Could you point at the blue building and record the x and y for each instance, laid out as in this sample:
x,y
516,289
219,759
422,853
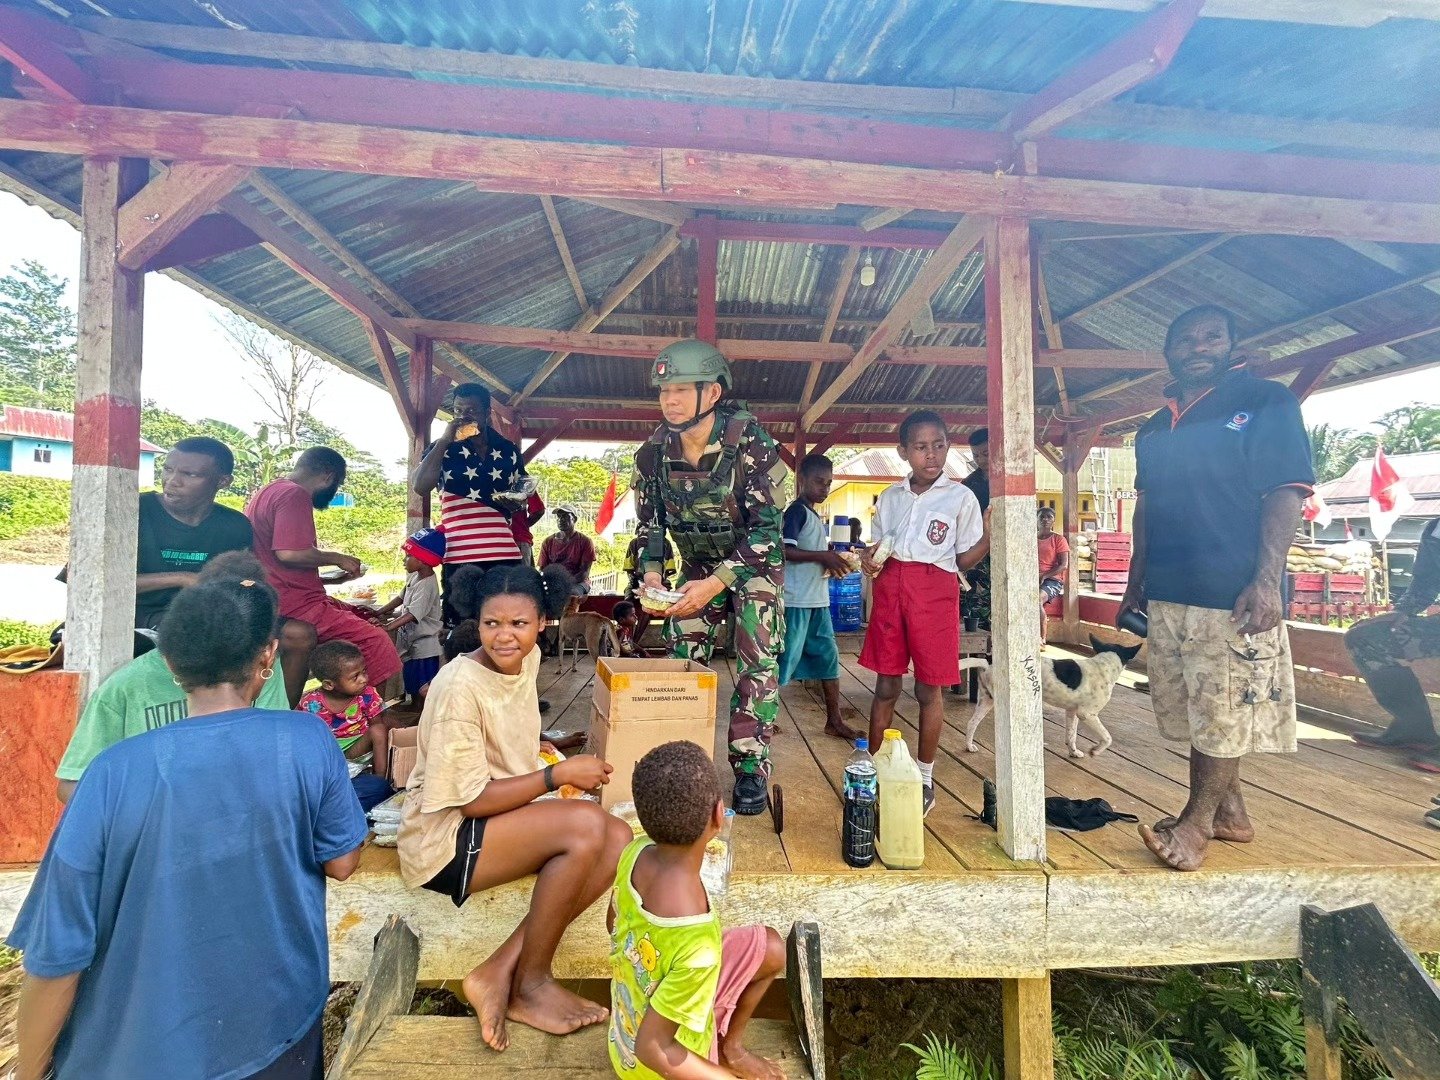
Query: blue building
x,y
39,442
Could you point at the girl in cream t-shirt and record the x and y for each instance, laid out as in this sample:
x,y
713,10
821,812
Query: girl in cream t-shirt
x,y
474,817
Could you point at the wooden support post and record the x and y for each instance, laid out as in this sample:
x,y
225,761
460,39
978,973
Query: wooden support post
x,y
707,281
105,489
423,400
1076,450
1028,1028
1015,601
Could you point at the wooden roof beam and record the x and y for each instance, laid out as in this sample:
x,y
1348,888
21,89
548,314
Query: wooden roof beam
x,y
36,46
832,316
209,237
592,317
169,204
294,254
787,232
459,367
1335,309
665,213
689,175
1135,57
645,347
963,239
395,381
1148,278
563,247
575,115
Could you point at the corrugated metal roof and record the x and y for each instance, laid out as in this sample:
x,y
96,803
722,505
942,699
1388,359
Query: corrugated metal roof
x,y
49,426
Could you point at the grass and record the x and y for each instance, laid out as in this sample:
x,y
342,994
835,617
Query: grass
x,y
13,632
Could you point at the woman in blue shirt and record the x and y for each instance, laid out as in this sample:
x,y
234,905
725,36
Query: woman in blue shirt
x,y
176,927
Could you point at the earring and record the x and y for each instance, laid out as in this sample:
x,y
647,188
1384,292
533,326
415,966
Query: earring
x,y
265,674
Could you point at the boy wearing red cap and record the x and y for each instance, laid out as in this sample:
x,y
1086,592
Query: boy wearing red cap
x,y
419,619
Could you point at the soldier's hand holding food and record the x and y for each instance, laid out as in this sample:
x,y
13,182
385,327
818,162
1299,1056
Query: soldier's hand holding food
x,y
697,594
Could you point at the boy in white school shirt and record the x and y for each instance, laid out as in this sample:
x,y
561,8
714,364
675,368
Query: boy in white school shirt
x,y
936,531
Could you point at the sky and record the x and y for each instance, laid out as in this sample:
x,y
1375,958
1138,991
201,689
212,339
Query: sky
x,y
181,330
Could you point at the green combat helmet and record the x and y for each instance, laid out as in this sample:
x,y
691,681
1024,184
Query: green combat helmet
x,y
690,361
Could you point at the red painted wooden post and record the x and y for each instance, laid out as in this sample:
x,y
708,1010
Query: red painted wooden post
x,y
1015,602
707,280
104,492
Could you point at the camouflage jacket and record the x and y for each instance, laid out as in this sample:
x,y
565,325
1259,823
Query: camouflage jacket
x,y
759,474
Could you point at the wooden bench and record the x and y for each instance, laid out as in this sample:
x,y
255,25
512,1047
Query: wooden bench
x,y
382,1042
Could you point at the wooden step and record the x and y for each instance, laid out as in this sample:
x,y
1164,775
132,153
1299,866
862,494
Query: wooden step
x,y
449,1048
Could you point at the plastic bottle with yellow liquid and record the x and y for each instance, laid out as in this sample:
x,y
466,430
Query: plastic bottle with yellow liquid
x,y
900,842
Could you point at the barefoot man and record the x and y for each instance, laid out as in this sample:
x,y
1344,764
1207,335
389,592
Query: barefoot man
x,y
1221,473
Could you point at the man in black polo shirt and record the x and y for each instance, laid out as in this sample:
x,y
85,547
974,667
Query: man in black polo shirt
x,y
1221,474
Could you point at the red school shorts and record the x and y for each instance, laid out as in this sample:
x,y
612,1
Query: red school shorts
x,y
915,619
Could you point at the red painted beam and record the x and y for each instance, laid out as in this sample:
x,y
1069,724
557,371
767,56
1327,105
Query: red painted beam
x,y
380,101
1125,63
785,232
35,45
707,280
385,101
208,238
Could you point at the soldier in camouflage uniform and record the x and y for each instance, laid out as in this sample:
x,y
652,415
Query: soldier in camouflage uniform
x,y
709,477
1384,647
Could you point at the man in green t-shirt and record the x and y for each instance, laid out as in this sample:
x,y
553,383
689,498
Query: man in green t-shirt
x,y
143,694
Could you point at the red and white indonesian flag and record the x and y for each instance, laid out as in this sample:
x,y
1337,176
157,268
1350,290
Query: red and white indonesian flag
x,y
1316,511
1389,497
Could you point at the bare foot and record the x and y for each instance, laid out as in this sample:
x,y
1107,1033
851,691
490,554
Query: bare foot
x,y
487,989
549,1007
1181,848
836,727
1232,823
743,1063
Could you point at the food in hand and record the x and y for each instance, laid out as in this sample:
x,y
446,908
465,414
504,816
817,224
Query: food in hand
x,y
367,593
659,601
467,430
564,791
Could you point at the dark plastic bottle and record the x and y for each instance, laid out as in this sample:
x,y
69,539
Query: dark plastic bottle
x,y
861,808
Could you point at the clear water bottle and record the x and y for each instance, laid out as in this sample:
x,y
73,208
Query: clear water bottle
x,y
861,803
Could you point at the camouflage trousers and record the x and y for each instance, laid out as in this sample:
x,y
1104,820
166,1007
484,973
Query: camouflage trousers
x,y
1382,652
759,634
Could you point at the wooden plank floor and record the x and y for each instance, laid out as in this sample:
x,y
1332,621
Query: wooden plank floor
x,y
1331,804
1337,825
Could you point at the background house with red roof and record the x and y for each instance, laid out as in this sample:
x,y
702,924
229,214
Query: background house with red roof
x,y
38,442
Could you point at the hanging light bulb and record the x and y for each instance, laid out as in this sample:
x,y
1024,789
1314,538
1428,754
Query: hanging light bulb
x,y
867,272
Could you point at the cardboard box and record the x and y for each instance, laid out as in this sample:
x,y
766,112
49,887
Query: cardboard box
x,y
646,689
625,743
642,703
404,749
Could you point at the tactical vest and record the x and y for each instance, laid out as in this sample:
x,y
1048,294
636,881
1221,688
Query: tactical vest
x,y
700,509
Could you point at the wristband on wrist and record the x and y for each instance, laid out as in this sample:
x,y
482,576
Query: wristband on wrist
x,y
549,773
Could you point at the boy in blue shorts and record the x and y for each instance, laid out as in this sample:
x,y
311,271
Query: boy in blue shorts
x,y
810,651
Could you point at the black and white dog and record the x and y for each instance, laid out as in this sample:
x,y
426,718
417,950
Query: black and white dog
x,y
1082,687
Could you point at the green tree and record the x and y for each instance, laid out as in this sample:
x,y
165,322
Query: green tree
x,y
1332,451
37,339
1412,429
